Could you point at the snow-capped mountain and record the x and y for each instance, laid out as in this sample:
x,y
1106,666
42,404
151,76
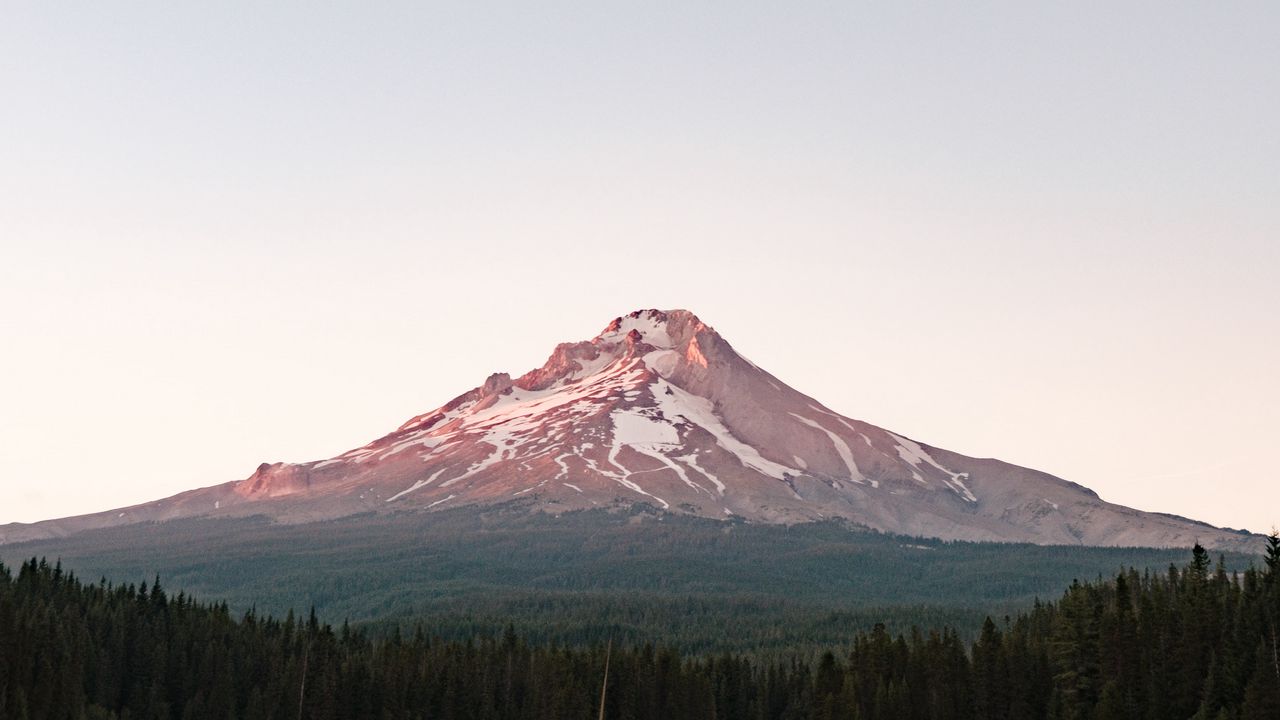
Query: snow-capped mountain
x,y
660,409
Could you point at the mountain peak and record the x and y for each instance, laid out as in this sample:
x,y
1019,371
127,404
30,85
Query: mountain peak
x,y
659,329
659,409
656,338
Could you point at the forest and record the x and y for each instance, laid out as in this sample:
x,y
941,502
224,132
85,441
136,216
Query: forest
x,y
1193,641
698,585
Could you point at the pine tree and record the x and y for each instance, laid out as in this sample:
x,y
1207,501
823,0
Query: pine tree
x,y
1111,705
1262,694
990,674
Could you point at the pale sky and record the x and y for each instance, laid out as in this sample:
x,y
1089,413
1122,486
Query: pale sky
x,y
233,233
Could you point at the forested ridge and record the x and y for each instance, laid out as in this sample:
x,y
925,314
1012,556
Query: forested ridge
x,y
583,577
1192,642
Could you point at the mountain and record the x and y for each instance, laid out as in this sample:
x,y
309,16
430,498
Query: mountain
x,y
660,409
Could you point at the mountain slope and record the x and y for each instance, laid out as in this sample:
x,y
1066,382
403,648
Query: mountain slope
x,y
660,409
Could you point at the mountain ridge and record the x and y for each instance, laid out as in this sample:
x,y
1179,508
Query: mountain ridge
x,y
659,408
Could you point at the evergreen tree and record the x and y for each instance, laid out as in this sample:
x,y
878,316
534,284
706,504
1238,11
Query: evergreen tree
x,y
1105,649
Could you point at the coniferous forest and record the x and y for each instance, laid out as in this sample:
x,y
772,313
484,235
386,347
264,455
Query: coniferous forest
x,y
1193,642
700,586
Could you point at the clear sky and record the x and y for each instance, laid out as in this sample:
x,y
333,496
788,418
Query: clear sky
x,y
242,232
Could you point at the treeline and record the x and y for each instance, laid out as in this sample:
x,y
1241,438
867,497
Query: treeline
x,y
696,625
1192,642
583,577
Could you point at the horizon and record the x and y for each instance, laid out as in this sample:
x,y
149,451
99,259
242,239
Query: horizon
x,y
1046,237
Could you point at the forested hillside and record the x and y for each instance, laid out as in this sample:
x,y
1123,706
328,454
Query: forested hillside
x,y
583,577
1195,642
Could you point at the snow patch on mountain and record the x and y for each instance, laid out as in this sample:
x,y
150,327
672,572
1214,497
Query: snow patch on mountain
x,y
650,325
842,448
663,362
692,461
910,451
419,484
675,402
632,427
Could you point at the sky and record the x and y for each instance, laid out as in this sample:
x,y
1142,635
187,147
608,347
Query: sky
x,y
233,233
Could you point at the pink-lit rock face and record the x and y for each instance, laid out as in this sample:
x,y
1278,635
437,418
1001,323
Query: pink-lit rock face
x,y
660,409
274,480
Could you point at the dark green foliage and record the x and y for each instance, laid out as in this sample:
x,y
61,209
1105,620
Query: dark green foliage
x,y
1114,649
701,585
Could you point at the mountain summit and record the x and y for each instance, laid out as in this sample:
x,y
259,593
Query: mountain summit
x,y
660,409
